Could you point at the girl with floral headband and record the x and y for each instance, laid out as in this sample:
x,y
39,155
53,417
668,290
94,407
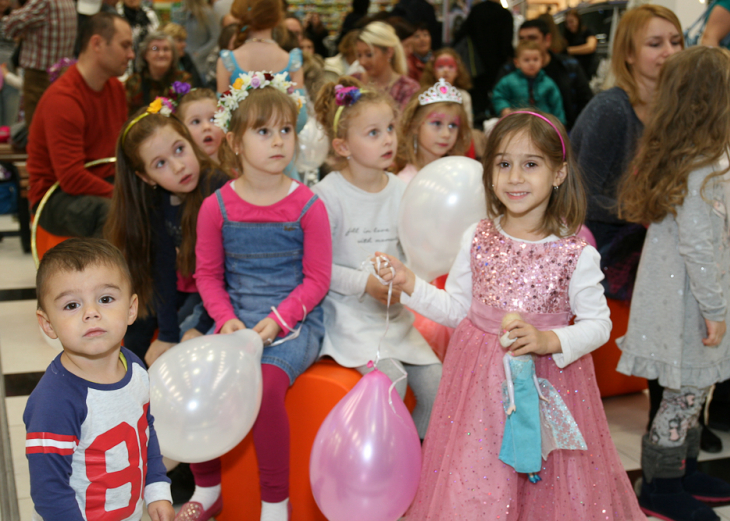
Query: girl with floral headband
x,y
362,201
264,257
433,125
524,258
162,178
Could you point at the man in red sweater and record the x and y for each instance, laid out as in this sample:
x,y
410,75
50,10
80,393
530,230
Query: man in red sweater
x,y
77,121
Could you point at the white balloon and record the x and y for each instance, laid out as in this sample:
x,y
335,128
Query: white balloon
x,y
440,203
313,146
205,395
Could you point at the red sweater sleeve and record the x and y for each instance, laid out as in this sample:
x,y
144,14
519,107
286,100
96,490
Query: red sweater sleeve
x,y
210,264
65,139
316,267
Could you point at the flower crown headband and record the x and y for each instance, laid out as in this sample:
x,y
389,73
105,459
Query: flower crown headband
x,y
345,97
246,82
161,105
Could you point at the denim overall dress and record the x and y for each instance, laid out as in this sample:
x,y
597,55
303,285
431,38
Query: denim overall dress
x,y
263,266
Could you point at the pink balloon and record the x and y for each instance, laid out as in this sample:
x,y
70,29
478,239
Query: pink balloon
x,y
585,234
366,458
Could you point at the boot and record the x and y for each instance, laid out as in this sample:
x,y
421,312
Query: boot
x,y
700,485
661,493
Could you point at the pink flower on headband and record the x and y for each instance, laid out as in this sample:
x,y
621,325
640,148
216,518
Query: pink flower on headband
x,y
346,96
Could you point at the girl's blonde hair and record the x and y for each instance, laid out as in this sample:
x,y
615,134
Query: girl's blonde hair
x,y
256,15
129,224
326,109
413,116
259,107
566,209
463,78
382,35
689,129
625,44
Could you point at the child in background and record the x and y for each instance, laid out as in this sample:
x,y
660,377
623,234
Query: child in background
x,y
526,259
528,86
264,262
679,306
93,397
162,178
196,110
447,64
362,201
433,125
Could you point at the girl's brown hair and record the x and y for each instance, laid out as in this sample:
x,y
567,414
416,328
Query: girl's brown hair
x,y
129,225
566,210
625,44
689,129
326,109
259,107
411,120
463,78
256,15
194,95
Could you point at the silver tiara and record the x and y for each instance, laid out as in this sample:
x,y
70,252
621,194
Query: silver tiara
x,y
440,92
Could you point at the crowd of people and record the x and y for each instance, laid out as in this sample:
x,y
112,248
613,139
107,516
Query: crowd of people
x,y
168,153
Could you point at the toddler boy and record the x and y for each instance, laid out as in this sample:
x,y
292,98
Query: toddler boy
x,y
91,446
528,86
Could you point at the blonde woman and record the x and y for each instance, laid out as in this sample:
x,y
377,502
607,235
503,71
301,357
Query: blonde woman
x,y
380,53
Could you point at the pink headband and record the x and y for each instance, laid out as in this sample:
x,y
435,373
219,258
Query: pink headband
x,y
562,143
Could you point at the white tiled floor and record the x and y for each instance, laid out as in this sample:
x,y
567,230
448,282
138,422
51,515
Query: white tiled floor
x,y
25,350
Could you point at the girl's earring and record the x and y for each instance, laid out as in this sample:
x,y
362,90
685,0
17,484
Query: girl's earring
x,y
415,144
555,187
348,157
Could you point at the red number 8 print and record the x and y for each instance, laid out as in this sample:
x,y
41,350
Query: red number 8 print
x,y
101,480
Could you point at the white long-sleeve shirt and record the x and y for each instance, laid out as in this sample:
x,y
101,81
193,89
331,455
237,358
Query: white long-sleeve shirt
x,y
585,292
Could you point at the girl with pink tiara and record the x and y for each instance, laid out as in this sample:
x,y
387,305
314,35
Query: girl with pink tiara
x,y
433,125
526,259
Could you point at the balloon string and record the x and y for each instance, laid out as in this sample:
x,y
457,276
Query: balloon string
x,y
373,265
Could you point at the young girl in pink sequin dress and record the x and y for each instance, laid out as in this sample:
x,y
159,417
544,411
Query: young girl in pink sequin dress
x,y
526,260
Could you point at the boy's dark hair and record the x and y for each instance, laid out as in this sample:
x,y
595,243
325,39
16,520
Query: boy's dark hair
x,y
539,24
101,24
77,254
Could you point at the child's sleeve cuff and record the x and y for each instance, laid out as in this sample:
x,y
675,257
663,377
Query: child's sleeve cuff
x,y
159,491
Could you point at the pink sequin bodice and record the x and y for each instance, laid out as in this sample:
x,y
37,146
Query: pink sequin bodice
x,y
517,276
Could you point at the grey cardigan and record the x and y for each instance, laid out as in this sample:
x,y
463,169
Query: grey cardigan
x,y
682,280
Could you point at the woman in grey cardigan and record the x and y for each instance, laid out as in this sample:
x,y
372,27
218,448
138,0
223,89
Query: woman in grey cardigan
x,y
606,133
677,325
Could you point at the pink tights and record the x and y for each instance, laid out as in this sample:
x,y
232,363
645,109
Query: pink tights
x,y
270,438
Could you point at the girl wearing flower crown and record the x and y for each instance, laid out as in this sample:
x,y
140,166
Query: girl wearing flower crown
x,y
162,178
526,259
433,125
264,260
362,201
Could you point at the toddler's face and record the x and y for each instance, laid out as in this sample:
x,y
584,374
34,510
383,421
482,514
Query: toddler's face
x,y
88,310
199,120
529,62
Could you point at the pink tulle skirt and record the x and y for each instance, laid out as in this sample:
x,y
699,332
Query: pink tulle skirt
x,y
462,477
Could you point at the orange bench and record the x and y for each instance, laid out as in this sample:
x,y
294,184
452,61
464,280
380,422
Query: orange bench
x,y
308,402
605,359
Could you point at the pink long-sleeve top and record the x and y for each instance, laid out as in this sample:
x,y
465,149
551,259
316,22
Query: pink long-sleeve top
x,y
316,262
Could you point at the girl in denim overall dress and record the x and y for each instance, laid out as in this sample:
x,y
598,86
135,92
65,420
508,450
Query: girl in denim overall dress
x,y
264,257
